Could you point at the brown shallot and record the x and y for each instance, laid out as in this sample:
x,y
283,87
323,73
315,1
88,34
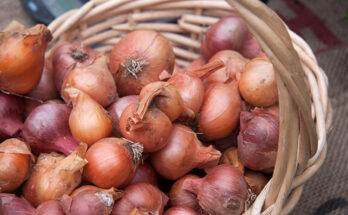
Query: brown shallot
x,y
22,58
95,80
88,120
139,58
15,157
219,115
116,109
180,197
183,153
112,162
141,198
55,175
146,124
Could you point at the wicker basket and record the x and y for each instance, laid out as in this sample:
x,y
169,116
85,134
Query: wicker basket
x,y
305,111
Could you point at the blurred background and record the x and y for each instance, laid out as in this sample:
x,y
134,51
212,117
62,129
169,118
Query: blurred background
x,y
324,25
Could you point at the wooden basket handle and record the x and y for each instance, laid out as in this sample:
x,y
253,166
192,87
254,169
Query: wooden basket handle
x,y
294,98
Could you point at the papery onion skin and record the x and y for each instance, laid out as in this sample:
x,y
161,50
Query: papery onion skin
x,y
141,198
11,122
88,120
180,210
116,109
46,129
154,131
258,85
116,194
95,80
180,197
191,90
234,67
223,191
145,173
256,181
228,33
10,204
219,115
22,58
111,161
230,156
88,202
51,207
57,179
183,153
44,161
66,56
140,58
258,138
169,101
15,164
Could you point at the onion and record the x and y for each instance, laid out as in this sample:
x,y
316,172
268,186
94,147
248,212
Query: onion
x,y
183,153
192,93
222,191
116,194
258,85
95,80
10,204
117,108
111,161
139,58
146,124
51,207
177,69
230,156
146,174
256,181
10,116
88,120
67,56
195,64
228,33
141,198
231,141
180,197
54,176
44,162
250,47
219,115
15,163
179,210
168,101
258,138
234,67
191,88
44,91
46,129
89,202
22,58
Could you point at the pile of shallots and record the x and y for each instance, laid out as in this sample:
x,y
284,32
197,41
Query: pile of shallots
x,y
131,132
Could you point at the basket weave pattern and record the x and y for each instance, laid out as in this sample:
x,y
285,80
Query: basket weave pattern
x,y
305,111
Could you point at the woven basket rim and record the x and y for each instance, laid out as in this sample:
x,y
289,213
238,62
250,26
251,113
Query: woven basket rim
x,y
103,22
